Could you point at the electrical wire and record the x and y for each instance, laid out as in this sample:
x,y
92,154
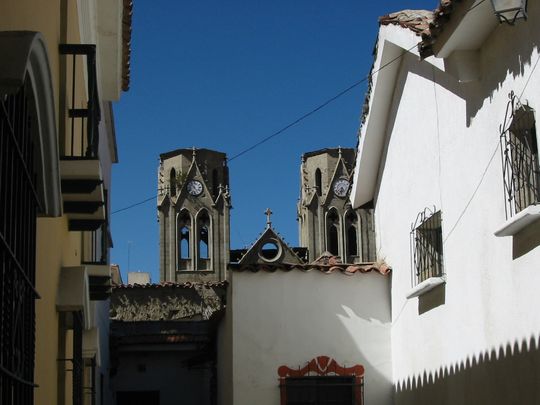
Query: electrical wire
x,y
320,106
134,205
306,115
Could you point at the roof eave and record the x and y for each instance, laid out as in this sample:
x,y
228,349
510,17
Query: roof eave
x,y
393,42
458,25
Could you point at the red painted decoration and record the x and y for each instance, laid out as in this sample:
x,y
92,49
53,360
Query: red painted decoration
x,y
322,366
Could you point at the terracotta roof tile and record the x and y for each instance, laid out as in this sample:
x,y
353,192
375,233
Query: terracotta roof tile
x,y
441,16
126,43
325,264
417,21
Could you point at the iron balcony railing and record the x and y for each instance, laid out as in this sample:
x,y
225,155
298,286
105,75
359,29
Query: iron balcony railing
x,y
519,150
82,136
96,243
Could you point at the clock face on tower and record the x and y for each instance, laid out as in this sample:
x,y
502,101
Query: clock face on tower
x,y
341,186
194,187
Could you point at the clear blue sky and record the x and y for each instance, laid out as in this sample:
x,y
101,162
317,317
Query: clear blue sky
x,y
223,75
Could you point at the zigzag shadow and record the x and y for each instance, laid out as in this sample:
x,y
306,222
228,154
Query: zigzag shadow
x,y
507,375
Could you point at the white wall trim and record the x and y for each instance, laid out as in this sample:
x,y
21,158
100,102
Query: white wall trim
x,y
425,286
519,221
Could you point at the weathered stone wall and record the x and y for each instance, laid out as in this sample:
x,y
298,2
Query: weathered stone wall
x,y
165,303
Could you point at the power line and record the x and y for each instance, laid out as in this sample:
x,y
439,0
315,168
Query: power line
x,y
308,114
134,205
319,107
293,123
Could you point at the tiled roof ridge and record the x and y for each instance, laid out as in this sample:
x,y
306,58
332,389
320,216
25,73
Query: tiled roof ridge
x,y
170,284
328,268
418,21
127,17
441,15
427,24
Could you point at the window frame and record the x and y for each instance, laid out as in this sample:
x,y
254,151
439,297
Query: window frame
x,y
323,366
427,250
520,158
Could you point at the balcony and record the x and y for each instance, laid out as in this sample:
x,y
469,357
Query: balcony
x,y
80,168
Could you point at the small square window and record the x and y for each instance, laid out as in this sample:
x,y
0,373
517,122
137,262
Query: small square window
x,y
427,246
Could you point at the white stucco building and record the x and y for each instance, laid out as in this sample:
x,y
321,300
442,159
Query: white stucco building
x,y
287,320
450,162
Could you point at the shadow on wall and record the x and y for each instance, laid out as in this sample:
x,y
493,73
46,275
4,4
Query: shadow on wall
x,y
508,50
432,299
525,241
509,375
311,314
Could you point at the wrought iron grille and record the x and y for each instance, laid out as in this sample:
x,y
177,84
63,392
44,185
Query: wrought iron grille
x,y
96,243
78,365
427,246
19,205
83,138
321,381
90,388
519,150
321,390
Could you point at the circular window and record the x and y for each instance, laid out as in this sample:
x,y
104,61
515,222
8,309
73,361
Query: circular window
x,y
270,251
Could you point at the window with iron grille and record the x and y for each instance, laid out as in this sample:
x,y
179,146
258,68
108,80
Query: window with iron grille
x,y
322,381
318,390
427,246
19,205
519,148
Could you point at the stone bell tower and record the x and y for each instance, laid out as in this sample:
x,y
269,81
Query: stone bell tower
x,y
194,215
326,219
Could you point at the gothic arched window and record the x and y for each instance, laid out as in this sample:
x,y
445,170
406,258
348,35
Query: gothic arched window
x,y
351,224
172,182
332,232
215,183
203,239
184,228
318,181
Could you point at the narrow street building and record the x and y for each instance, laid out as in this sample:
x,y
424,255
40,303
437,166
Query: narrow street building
x,y
448,156
62,65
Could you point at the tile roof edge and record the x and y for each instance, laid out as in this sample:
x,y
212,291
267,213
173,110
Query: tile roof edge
x,y
345,268
417,21
127,20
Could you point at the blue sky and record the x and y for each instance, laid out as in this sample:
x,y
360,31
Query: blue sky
x,y
223,75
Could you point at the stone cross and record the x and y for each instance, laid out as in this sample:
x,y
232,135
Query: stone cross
x,y
268,214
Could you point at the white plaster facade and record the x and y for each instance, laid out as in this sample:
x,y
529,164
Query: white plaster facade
x,y
428,140
289,318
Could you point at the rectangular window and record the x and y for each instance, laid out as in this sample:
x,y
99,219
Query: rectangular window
x,y
321,381
521,167
320,390
427,246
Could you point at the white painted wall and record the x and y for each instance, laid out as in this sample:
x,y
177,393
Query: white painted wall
x,y
289,318
442,149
